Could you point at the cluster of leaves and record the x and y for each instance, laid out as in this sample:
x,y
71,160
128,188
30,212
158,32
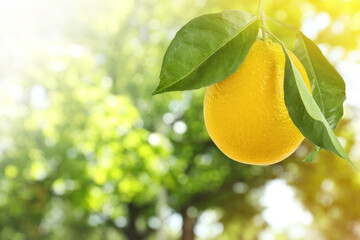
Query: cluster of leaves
x,y
211,47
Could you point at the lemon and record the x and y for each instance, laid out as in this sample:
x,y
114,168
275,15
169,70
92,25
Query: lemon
x,y
245,114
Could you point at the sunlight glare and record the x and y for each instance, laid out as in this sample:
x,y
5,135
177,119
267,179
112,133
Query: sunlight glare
x,y
282,210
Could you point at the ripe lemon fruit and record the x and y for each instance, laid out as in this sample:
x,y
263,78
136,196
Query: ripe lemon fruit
x,y
245,114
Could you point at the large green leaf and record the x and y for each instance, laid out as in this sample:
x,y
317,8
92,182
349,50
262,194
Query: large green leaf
x,y
207,50
328,87
306,114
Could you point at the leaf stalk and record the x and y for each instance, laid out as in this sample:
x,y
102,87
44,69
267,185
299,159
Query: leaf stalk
x,y
289,26
262,15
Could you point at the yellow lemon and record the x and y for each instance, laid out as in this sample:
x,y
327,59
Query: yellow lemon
x,y
245,115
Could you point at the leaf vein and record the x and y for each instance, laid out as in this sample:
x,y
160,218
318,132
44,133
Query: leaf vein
x,y
216,50
316,77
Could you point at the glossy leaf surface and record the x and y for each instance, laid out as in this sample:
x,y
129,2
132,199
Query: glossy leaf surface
x,y
328,87
207,50
305,112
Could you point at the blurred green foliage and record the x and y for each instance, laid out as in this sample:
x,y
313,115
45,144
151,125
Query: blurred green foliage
x,y
88,153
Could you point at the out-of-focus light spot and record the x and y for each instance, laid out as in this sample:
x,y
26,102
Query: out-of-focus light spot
x,y
112,101
55,50
108,188
135,44
69,184
38,97
323,20
353,55
72,153
138,123
106,83
192,212
180,127
281,15
355,22
173,224
267,234
154,222
240,187
325,199
108,209
277,170
58,187
334,212
206,159
312,25
144,178
121,130
154,24
337,27
52,218
22,110
58,66
76,50
292,168
96,198
283,211
258,220
327,185
200,3
5,143
38,171
11,171
296,232
100,177
350,70
176,106
95,219
120,222
356,229
42,123
336,54
78,213
301,151
50,141
154,139
208,226
16,92
168,118
100,59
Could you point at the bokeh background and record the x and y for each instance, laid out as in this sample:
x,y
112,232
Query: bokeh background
x,y
87,153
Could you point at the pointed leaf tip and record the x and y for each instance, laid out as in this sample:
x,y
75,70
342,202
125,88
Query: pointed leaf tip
x,y
312,155
306,114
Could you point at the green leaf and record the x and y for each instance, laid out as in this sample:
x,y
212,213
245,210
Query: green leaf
x,y
312,155
207,50
328,87
306,114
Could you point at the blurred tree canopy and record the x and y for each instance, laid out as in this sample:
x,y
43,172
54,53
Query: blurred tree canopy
x,y
87,153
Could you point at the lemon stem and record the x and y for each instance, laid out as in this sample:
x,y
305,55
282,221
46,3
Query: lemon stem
x,y
289,26
261,12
